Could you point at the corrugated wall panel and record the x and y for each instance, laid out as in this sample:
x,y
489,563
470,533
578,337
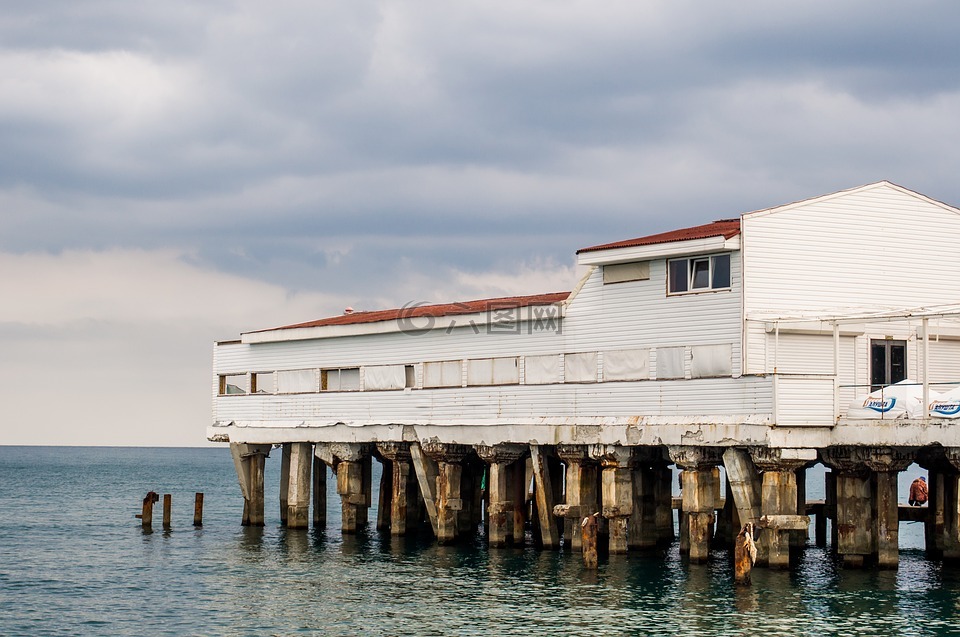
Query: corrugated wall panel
x,y
879,247
721,396
639,314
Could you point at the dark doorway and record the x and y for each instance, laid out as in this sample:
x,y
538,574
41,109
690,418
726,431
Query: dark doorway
x,y
888,363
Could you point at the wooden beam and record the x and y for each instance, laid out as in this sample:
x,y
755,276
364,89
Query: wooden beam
x,y
427,477
785,522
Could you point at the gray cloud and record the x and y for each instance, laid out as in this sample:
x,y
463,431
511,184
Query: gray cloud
x,y
370,153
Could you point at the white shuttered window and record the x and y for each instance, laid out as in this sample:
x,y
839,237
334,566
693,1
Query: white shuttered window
x,y
580,368
541,370
442,374
296,381
626,364
381,377
670,362
493,371
711,361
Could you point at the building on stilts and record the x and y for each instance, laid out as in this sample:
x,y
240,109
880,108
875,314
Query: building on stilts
x,y
822,331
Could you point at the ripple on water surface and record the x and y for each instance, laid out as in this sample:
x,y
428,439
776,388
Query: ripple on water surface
x,y
74,562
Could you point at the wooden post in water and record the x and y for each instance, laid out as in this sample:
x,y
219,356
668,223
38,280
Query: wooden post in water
x,y
588,540
198,509
146,513
167,505
744,554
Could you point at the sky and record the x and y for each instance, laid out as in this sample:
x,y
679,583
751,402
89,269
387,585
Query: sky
x,y
177,173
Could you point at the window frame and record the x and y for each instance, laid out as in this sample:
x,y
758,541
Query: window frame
x,y
689,265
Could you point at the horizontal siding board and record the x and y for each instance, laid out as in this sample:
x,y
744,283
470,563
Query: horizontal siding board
x,y
703,397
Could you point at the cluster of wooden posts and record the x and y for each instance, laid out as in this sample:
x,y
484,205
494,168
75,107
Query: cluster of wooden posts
x,y
146,513
614,499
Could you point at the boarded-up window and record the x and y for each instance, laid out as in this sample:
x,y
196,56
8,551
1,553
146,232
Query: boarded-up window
x,y
710,361
626,364
380,377
263,383
493,371
580,368
670,362
622,272
347,379
233,384
297,381
442,374
541,370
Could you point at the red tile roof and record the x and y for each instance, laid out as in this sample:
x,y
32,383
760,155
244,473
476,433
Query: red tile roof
x,y
726,228
413,310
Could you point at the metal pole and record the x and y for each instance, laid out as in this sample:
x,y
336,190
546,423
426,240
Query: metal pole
x,y
926,366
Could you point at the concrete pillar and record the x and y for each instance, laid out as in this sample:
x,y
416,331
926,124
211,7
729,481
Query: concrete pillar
x,y
352,486
520,484
642,526
249,460
285,450
616,493
698,495
663,497
449,460
798,539
385,495
779,497
886,463
830,505
319,493
300,464
500,490
582,491
404,498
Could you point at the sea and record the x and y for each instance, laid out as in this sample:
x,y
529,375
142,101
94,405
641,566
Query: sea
x,y
75,561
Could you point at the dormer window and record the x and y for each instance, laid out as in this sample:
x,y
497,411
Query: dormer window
x,y
698,274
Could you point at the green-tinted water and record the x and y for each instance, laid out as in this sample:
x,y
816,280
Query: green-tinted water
x,y
73,561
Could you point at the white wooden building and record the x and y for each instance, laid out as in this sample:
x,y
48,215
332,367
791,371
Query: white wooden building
x,y
758,330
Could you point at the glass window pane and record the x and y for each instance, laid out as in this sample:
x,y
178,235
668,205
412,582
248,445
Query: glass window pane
x,y
678,276
350,379
721,271
263,383
701,274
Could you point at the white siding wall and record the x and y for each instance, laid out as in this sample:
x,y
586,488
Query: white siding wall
x,y
639,314
704,400
878,247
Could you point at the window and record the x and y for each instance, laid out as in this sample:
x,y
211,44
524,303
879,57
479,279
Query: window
x,y
262,383
623,272
340,379
888,362
443,374
698,274
493,371
233,384
580,367
296,381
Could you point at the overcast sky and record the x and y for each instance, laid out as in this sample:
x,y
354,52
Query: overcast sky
x,y
174,173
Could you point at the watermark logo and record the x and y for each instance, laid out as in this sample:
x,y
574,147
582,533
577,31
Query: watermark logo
x,y
492,317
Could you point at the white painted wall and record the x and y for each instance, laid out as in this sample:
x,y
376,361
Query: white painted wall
x,y
874,247
639,314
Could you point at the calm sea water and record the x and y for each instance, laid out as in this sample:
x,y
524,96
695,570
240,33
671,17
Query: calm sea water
x,y
74,561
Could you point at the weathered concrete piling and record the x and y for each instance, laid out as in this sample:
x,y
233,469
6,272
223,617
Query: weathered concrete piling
x,y
625,493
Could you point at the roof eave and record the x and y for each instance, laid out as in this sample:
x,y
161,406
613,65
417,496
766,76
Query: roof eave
x,y
647,252
489,321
